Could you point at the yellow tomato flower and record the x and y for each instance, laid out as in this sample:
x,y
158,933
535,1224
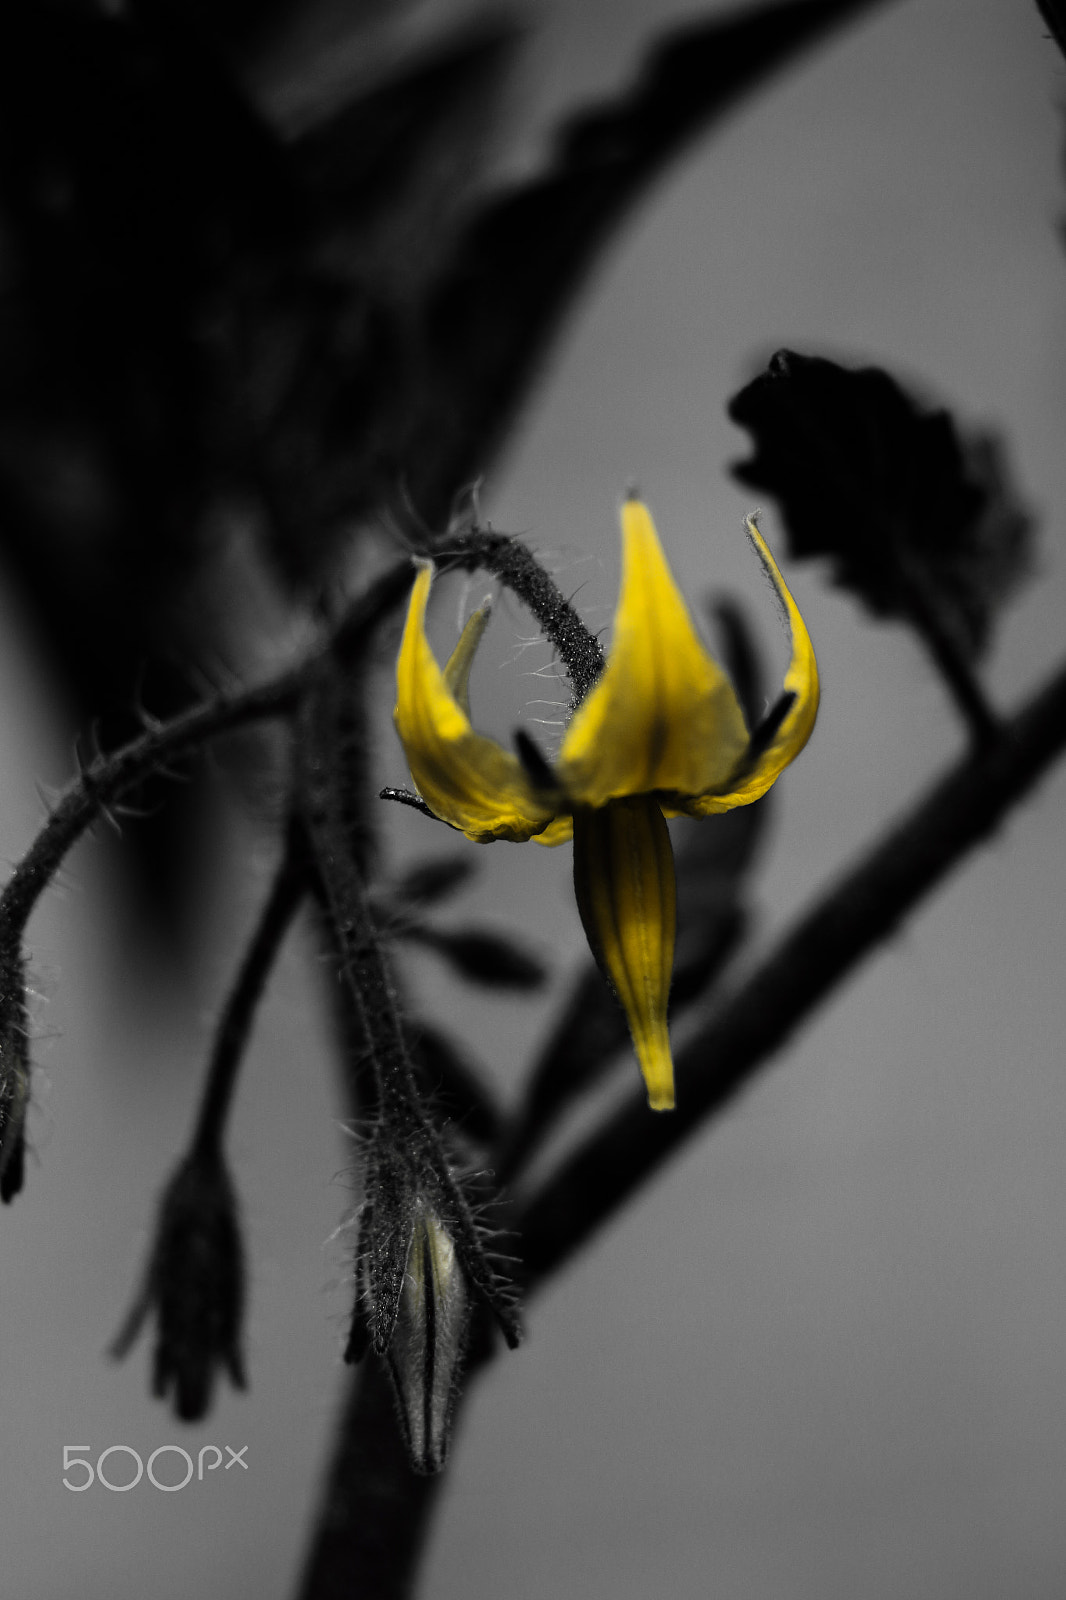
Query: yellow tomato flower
x,y
661,733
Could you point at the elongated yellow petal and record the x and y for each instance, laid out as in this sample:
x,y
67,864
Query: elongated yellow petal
x,y
663,715
801,680
626,894
464,777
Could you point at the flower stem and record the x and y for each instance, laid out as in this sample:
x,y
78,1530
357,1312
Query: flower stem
x,y
286,893
519,569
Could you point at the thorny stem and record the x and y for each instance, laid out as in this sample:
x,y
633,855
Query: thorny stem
x,y
286,893
335,853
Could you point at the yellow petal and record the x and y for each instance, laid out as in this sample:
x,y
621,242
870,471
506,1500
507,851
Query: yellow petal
x,y
626,894
461,660
663,715
801,680
465,778
561,831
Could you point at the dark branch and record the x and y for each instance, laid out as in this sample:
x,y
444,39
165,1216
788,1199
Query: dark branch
x,y
848,923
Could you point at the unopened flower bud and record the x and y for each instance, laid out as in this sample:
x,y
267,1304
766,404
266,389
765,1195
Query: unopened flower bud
x,y
195,1284
428,1340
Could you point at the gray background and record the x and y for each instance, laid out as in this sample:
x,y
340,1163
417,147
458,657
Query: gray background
x,y
824,1355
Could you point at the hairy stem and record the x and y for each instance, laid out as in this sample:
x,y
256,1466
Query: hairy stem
x,y
516,566
107,778
282,903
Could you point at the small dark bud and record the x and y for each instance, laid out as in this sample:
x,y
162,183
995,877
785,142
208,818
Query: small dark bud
x,y
195,1286
915,516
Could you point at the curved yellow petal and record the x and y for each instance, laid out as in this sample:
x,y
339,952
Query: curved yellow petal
x,y
801,680
464,777
663,714
626,894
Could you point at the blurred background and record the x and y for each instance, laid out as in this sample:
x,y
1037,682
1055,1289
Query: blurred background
x,y
823,1354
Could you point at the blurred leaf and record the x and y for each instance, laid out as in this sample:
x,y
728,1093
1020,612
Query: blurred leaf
x,y
492,959
134,181
429,882
915,517
391,169
215,346
1054,15
499,299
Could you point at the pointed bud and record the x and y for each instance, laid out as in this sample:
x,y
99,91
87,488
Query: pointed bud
x,y
420,1261
429,1339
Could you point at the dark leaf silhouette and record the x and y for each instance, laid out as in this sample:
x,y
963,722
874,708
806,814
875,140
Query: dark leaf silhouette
x,y
429,882
495,960
918,519
1054,14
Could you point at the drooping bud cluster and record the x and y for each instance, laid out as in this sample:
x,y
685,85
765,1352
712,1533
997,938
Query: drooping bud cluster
x,y
195,1285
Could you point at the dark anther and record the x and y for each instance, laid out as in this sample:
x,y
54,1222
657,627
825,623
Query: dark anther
x,y
538,767
764,734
